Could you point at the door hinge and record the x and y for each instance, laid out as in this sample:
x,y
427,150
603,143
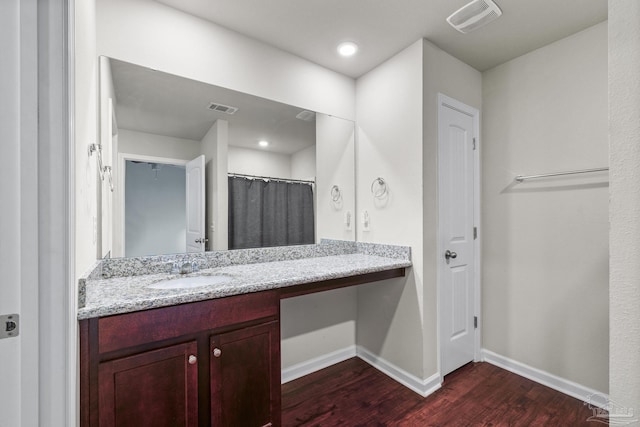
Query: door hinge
x,y
474,143
475,322
475,233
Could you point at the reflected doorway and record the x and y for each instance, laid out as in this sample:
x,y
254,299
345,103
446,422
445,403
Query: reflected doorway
x,y
155,211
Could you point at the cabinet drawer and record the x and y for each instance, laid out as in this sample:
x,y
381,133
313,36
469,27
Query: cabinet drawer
x,y
141,327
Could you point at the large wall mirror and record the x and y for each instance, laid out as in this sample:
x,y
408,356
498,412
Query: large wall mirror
x,y
188,166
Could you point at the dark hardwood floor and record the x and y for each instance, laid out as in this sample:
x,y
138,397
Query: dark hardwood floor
x,y
353,393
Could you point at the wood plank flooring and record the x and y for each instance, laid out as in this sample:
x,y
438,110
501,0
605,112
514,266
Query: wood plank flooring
x,y
353,393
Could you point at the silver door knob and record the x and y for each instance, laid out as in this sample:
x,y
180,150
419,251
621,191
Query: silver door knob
x,y
217,352
202,240
192,360
448,254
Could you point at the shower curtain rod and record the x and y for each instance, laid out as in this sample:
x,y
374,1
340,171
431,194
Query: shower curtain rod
x,y
521,178
269,178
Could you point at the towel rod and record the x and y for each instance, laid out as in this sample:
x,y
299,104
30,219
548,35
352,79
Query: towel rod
x,y
521,178
109,170
97,148
270,178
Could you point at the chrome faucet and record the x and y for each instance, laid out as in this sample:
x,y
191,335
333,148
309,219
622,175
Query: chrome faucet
x,y
189,267
186,268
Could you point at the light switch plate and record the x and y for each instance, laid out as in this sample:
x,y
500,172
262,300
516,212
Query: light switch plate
x,y
366,221
9,325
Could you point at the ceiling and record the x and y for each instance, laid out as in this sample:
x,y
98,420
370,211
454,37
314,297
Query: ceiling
x,y
312,29
164,104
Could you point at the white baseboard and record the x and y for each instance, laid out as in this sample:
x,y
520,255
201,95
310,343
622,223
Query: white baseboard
x,y
309,366
420,386
562,385
433,383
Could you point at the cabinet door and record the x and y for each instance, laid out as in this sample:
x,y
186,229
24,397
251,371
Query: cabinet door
x,y
245,377
155,388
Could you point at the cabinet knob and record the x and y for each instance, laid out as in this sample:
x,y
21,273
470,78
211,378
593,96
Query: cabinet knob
x,y
217,352
192,360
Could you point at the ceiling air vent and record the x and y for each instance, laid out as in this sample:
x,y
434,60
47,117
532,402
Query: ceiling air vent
x,y
227,109
474,15
307,116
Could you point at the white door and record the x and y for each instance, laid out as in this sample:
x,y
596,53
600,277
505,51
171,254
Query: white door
x,y
195,205
14,349
456,133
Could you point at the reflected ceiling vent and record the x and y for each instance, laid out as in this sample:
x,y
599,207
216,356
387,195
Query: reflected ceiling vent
x,y
221,108
307,116
474,15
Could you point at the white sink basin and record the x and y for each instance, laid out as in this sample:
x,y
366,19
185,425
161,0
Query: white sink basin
x,y
190,282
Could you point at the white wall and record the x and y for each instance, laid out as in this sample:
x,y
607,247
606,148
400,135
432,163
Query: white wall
x,y
86,133
155,210
317,325
215,147
257,162
247,161
303,163
187,46
545,249
389,107
149,144
335,162
624,209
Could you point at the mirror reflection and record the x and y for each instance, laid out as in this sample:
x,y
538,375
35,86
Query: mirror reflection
x,y
199,167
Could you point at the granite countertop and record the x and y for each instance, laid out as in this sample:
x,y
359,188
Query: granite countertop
x,y
116,295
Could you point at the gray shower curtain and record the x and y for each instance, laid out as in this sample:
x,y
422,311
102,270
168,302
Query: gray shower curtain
x,y
269,213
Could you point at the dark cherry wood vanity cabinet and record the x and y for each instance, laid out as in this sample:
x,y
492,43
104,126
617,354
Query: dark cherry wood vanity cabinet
x,y
209,363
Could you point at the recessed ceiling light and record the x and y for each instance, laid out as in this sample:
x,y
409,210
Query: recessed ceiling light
x,y
347,49
263,143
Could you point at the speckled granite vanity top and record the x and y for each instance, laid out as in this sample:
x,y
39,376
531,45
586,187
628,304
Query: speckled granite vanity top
x,y
122,285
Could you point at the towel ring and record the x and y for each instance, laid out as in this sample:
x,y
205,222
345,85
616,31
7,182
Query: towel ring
x,y
379,188
336,194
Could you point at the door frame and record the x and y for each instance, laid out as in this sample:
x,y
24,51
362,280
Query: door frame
x,y
42,253
475,113
119,208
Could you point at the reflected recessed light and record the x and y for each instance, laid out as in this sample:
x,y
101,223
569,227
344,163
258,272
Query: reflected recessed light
x,y
263,143
347,49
